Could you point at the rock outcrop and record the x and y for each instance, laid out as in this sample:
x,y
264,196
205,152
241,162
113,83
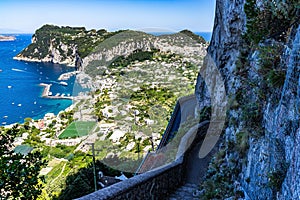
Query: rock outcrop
x,y
259,154
63,45
7,38
190,46
78,46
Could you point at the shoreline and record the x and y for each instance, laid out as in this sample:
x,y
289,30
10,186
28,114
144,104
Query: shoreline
x,y
44,60
67,75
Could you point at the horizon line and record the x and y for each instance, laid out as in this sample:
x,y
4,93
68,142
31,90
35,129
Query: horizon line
x,y
21,32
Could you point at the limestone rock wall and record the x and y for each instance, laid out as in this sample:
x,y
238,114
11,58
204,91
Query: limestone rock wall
x,y
268,168
125,43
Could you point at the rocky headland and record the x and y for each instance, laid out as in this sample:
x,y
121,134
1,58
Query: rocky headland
x,y
131,81
7,38
70,45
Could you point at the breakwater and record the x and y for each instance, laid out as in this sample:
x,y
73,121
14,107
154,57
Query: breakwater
x,y
48,94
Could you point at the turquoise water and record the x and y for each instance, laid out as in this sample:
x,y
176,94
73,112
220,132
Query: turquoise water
x,y
20,93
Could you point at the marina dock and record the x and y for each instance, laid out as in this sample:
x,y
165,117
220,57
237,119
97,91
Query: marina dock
x,y
68,75
47,94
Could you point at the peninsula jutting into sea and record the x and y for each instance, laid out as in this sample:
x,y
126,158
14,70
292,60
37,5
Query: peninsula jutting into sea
x,y
126,86
7,38
126,115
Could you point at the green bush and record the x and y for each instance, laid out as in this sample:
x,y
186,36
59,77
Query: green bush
x,y
276,78
242,143
137,55
270,65
271,21
276,179
61,151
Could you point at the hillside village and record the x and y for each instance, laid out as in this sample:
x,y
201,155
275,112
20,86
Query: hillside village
x,y
123,108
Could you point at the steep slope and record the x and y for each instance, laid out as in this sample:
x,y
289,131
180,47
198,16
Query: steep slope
x,y
259,62
129,42
65,45
69,45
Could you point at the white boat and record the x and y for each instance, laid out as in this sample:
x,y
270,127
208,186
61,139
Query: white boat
x,y
49,93
63,83
5,117
19,105
9,86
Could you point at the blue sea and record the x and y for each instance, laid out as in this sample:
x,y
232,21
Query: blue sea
x,y
205,35
20,93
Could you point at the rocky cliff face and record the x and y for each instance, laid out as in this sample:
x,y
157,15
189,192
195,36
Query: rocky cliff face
x,y
259,154
63,45
186,44
68,45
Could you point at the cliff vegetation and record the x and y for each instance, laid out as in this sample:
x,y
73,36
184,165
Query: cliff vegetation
x,y
258,58
56,44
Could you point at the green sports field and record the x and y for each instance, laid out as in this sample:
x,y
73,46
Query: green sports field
x,y
77,129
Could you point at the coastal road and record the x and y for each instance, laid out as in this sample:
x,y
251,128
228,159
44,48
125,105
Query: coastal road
x,y
187,107
195,165
184,109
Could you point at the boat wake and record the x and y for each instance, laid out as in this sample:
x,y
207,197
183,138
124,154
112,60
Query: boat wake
x,y
17,70
54,82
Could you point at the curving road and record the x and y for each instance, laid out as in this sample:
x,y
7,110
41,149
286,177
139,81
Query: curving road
x,y
184,109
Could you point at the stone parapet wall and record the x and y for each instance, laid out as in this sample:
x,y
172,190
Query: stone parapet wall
x,y
156,184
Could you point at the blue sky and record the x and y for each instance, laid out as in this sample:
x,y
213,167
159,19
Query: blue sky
x,y
28,15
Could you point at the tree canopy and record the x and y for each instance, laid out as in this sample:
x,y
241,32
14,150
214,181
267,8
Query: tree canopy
x,y
19,173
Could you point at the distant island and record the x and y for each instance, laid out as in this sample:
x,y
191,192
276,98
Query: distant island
x,y
7,38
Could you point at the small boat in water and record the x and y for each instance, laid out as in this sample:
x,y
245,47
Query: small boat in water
x,y
19,105
63,83
9,86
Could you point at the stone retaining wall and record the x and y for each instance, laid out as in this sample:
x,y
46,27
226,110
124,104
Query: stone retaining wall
x,y
157,184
